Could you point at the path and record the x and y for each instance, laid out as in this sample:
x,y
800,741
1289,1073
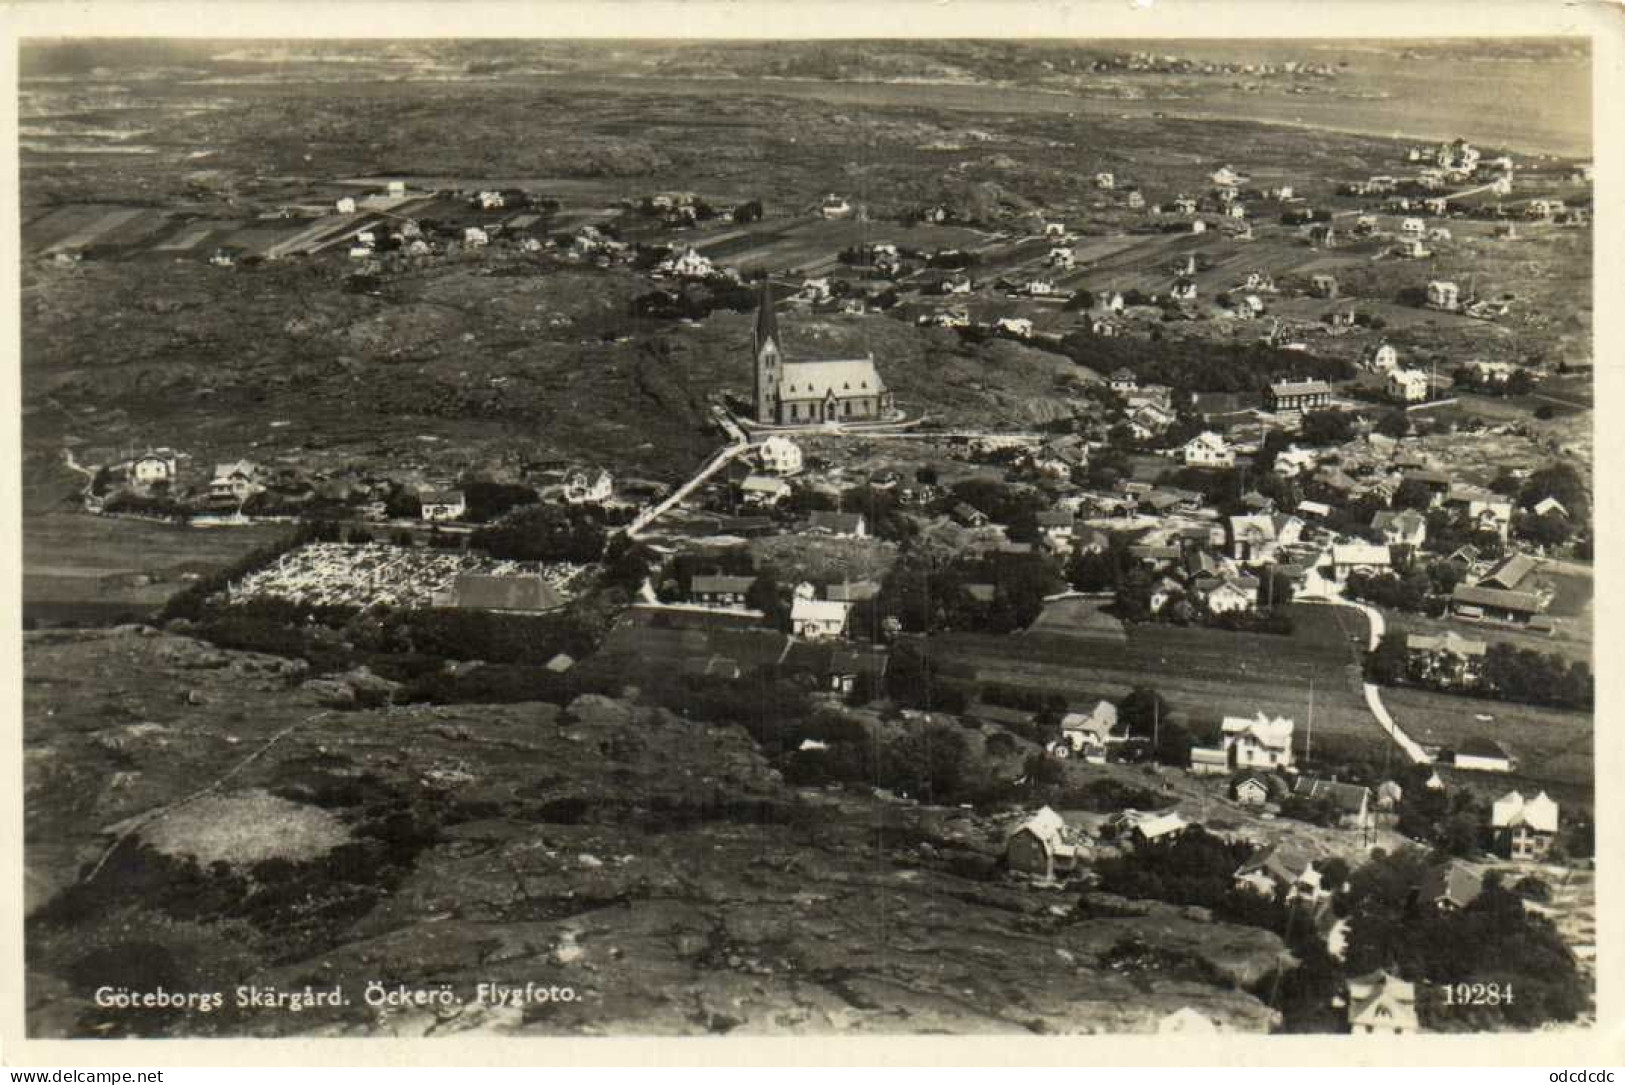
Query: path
x,y
1373,693
720,459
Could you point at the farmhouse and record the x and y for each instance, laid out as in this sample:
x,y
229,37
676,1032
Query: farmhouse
x,y
1259,743
438,505
1041,845
1323,286
811,392
1524,829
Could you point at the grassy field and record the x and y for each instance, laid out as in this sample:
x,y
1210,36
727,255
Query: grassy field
x,y
1552,747
85,568
1204,673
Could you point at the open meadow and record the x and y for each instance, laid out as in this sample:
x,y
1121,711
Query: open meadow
x,y
80,568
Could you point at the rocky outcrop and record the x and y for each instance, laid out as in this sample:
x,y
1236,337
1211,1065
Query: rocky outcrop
x,y
657,869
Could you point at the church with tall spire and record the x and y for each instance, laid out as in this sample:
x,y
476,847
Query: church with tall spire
x,y
799,392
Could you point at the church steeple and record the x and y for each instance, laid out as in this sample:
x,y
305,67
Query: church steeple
x,y
767,323
766,356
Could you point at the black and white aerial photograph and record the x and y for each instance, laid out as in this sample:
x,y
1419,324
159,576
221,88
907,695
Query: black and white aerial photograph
x,y
758,537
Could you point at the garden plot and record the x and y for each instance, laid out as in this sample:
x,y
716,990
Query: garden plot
x,y
373,574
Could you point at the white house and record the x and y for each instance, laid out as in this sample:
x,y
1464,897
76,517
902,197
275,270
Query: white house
x,y
1208,449
779,455
1018,326
1413,227
1524,829
159,465
1105,181
1232,595
491,200
817,619
1442,294
475,237
440,505
395,189
1382,1004
1089,734
1407,385
1062,256
345,205
1258,743
1382,358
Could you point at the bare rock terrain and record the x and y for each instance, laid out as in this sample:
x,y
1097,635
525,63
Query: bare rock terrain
x,y
655,867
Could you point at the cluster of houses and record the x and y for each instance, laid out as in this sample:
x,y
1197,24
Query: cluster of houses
x,y
164,472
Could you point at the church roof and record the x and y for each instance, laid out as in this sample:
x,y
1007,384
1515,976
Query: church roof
x,y
814,379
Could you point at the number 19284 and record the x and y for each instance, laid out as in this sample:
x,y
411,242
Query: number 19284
x,y
1478,994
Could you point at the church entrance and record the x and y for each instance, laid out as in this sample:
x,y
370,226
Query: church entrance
x,y
829,410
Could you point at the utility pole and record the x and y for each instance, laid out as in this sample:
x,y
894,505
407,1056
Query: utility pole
x,y
1309,741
